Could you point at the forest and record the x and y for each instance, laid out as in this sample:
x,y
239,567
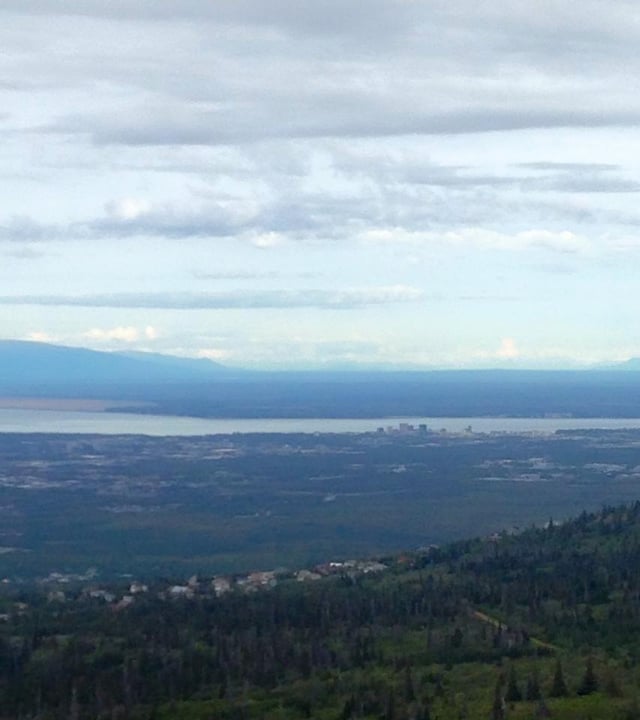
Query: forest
x,y
541,623
175,506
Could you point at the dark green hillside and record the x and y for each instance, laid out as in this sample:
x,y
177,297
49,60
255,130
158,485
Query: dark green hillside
x,y
542,624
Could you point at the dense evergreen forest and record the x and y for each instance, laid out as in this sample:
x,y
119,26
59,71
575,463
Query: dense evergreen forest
x,y
544,623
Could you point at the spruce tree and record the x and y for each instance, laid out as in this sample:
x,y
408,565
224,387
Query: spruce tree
x,y
533,687
589,682
348,708
497,710
611,685
513,693
542,711
409,693
558,686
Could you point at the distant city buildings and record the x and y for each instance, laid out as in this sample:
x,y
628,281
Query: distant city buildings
x,y
403,428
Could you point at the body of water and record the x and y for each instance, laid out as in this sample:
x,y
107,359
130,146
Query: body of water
x,y
58,421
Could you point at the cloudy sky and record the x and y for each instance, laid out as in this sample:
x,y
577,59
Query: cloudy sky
x,y
319,183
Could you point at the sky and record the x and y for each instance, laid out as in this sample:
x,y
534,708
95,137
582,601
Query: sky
x,y
320,184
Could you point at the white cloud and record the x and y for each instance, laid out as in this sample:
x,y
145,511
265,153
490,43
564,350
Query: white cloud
x,y
118,334
347,299
562,241
128,208
267,240
121,334
508,349
41,336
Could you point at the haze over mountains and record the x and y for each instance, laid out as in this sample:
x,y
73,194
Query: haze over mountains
x,y
32,365
185,386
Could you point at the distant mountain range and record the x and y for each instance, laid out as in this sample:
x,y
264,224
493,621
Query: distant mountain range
x,y
165,384
34,365
633,364
28,363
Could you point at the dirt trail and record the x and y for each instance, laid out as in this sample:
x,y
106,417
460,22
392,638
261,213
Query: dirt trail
x,y
494,622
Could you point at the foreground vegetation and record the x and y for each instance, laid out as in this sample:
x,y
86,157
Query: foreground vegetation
x,y
544,623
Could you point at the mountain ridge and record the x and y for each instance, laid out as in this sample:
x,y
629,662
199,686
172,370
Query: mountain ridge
x,y
30,349
203,388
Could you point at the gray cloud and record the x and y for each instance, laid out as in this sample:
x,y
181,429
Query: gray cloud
x,y
251,95
302,69
547,176
167,222
316,217
570,166
22,229
360,192
577,178
328,299
579,183
513,24
329,18
360,117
